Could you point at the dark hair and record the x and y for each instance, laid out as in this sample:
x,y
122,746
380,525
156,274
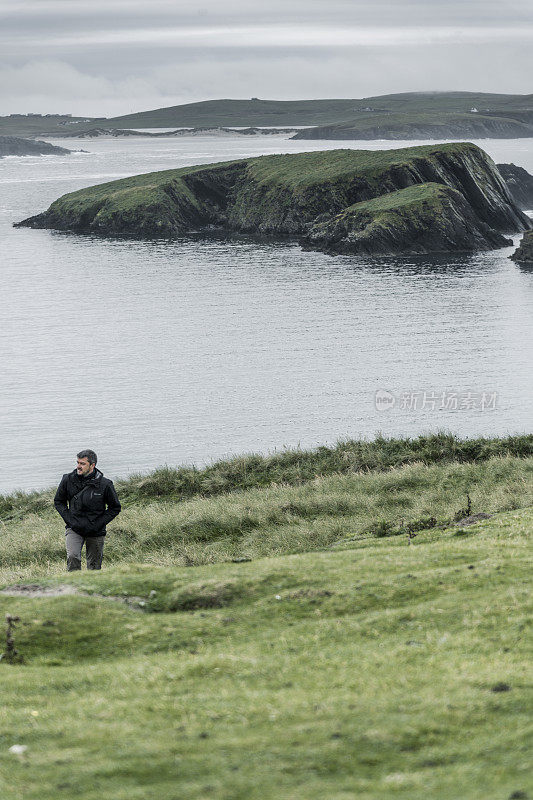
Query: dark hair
x,y
90,455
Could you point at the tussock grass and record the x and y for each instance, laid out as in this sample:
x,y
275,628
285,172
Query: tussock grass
x,y
278,519
289,467
297,466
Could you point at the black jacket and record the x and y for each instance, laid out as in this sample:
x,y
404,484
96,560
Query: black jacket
x,y
87,504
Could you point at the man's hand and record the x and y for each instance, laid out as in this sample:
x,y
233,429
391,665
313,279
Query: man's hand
x,y
61,501
81,527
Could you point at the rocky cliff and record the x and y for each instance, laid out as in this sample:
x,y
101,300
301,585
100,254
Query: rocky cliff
x,y
520,184
15,146
285,194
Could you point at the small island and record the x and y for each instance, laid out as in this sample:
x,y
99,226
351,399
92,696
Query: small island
x,y
17,146
432,198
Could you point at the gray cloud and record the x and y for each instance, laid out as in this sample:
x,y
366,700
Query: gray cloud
x,y
280,36
113,57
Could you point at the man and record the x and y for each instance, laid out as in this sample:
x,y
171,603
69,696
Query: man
x,y
87,502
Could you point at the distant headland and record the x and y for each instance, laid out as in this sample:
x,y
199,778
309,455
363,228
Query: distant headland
x,y
409,115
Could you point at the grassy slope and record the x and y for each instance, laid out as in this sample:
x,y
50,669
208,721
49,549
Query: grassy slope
x,y
278,520
403,199
290,468
372,669
313,112
340,661
301,170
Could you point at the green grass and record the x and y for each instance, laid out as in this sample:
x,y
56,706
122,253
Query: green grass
x,y
374,671
297,170
279,520
403,199
42,126
410,119
339,661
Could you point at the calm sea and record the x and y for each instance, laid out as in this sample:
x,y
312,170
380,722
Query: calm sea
x,y
158,353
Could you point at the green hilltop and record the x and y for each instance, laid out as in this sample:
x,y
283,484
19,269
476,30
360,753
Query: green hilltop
x,y
276,113
308,624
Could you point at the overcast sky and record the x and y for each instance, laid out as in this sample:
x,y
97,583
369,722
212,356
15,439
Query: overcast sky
x,y
108,57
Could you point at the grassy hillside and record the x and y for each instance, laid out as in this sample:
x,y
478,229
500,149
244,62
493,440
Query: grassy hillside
x,y
450,101
275,113
301,170
339,661
313,112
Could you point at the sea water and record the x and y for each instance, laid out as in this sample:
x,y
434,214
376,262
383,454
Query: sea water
x,y
187,351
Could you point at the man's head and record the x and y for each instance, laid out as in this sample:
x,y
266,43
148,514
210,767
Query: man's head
x,y
86,462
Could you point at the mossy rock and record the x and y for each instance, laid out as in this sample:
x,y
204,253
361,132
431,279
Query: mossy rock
x,y
524,252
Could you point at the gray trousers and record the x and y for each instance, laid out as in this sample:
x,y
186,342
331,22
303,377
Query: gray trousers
x,y
94,550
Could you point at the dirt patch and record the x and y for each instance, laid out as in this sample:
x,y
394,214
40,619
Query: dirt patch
x,y
205,595
35,590
309,594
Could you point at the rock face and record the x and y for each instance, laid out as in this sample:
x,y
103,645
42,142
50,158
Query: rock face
x,y
524,253
15,146
519,183
288,194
